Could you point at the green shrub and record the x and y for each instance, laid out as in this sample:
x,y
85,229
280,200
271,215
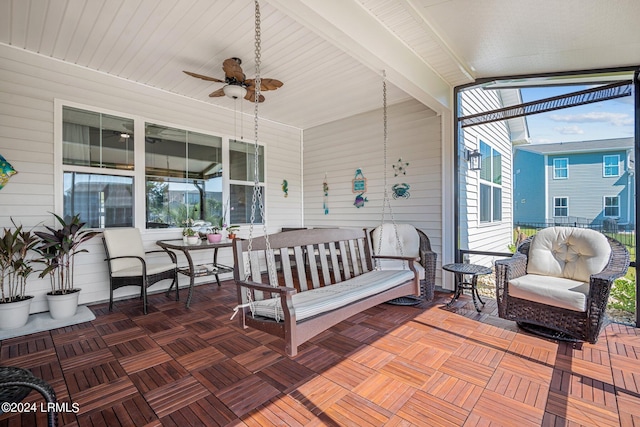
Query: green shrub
x,y
623,294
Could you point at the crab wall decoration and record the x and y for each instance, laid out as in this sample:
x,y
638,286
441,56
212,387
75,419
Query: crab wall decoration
x,y
401,191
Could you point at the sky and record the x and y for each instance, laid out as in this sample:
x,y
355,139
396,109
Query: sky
x,y
601,120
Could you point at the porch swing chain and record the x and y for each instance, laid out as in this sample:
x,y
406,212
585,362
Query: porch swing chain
x,y
386,201
257,194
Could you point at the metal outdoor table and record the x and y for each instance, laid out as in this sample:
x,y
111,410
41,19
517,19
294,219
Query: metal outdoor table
x,y
461,270
193,271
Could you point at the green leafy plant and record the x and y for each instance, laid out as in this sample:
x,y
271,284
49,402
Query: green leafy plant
x,y
15,264
623,294
58,249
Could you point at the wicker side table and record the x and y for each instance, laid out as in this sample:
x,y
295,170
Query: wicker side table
x,y
17,383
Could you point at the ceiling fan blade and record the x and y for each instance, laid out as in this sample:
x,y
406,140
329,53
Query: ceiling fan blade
x,y
265,84
200,76
233,70
251,96
219,92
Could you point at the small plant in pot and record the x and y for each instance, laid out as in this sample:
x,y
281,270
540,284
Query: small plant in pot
x,y
213,235
58,248
15,268
231,230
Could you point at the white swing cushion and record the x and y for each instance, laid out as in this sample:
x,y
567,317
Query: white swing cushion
x,y
322,300
409,242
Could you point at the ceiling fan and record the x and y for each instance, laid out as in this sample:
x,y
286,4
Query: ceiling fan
x,y
237,85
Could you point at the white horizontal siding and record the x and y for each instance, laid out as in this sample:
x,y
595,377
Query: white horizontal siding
x,y
494,237
30,86
339,148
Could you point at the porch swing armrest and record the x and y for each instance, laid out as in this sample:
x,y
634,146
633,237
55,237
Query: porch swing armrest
x,y
281,290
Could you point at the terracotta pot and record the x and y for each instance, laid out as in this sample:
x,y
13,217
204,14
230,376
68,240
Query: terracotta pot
x,y
232,236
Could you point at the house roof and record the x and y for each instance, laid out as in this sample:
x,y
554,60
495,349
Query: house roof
x,y
330,54
597,145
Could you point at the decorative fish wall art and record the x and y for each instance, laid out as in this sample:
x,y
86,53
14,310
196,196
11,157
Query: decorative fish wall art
x,y
6,171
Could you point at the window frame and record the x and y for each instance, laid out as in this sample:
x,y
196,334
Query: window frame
x,y
556,168
138,172
605,206
491,184
566,206
605,167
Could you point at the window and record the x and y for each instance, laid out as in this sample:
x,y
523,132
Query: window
x,y
490,184
560,168
612,206
183,176
97,158
560,206
242,165
182,172
611,165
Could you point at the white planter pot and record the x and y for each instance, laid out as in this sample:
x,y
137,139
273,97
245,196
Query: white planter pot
x,y
15,314
63,306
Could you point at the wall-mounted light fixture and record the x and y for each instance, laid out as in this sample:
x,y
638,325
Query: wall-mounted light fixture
x,y
474,158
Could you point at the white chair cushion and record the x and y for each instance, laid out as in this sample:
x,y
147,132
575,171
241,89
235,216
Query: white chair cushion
x,y
152,268
555,291
317,301
128,242
409,242
572,253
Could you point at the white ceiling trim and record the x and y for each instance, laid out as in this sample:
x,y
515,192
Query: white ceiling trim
x,y
351,28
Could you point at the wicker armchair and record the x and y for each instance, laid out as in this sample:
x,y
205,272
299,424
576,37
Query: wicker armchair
x,y
414,243
17,383
578,314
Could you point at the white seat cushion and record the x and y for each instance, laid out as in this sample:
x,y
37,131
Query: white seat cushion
x,y
317,301
152,268
555,291
409,246
572,253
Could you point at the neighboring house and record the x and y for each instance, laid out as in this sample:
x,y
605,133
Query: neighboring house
x,y
584,182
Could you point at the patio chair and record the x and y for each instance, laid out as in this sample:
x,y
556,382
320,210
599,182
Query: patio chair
x,y
413,242
17,383
557,283
129,266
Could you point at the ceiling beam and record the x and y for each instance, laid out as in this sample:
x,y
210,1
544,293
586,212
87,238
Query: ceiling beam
x,y
348,26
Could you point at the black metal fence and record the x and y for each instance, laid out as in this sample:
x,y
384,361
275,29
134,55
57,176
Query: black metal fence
x,y
624,233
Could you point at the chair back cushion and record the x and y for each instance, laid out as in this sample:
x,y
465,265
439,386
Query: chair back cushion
x,y
123,242
409,242
572,253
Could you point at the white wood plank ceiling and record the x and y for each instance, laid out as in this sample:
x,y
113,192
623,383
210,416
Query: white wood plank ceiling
x,y
329,53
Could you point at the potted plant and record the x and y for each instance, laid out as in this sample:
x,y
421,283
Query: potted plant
x,y
231,231
58,248
15,268
213,235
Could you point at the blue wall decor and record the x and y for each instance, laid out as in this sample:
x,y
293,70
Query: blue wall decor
x,y
6,171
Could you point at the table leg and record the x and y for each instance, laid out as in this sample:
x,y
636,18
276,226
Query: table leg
x,y
192,273
474,293
215,264
459,280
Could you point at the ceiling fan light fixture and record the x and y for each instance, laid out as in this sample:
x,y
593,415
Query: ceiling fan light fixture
x,y
234,91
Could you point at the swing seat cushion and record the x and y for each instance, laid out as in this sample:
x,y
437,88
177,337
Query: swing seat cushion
x,y
313,302
409,241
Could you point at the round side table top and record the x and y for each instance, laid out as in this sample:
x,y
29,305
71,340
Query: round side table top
x,y
465,268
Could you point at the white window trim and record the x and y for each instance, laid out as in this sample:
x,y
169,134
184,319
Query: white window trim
x,y
556,168
554,206
604,206
139,171
604,165
492,185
